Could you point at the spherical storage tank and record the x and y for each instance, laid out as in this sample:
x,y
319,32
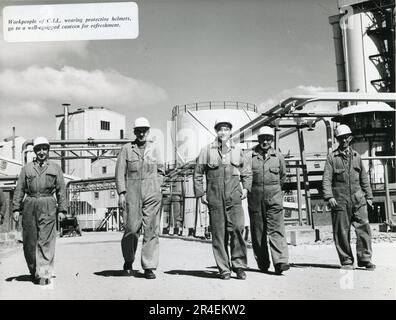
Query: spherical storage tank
x,y
193,128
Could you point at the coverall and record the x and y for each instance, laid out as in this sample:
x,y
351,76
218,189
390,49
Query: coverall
x,y
39,208
265,203
140,177
346,180
223,174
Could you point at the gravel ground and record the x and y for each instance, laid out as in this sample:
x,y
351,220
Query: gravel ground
x,y
88,267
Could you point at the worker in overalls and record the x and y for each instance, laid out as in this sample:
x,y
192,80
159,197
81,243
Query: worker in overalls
x,y
40,180
139,176
265,203
346,188
224,165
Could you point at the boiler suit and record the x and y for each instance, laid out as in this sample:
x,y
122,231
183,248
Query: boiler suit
x,y
140,178
346,180
223,173
265,203
39,209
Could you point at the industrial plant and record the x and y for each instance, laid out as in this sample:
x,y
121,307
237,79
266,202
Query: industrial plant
x,y
88,139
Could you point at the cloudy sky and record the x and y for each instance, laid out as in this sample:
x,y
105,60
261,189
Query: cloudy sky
x,y
187,51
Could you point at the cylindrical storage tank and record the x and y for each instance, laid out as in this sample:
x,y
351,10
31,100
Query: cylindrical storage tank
x,y
193,128
364,51
367,70
193,124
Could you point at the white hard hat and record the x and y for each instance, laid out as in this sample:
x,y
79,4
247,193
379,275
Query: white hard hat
x,y
342,130
40,140
266,131
141,123
223,122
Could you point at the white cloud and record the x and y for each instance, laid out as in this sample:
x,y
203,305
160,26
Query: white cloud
x,y
31,94
48,85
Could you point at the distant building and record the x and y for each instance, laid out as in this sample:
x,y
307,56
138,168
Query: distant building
x,y
92,123
106,198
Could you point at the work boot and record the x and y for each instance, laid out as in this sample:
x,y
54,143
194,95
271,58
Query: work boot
x,y
128,268
225,275
34,279
280,267
149,274
347,267
263,267
240,273
366,264
43,281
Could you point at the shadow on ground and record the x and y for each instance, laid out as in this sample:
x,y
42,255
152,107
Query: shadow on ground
x,y
314,265
113,273
195,273
253,270
23,277
265,272
119,273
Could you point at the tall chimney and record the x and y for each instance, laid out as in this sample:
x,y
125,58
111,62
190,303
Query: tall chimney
x,y
65,135
13,142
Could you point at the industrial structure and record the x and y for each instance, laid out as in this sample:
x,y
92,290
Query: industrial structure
x,y
85,124
364,40
88,139
193,128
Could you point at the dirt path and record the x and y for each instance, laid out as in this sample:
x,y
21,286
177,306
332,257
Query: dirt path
x,y
88,267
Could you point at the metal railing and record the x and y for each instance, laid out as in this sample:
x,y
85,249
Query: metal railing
x,y
213,105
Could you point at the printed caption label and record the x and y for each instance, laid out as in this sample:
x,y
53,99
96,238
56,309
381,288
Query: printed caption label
x,y
68,22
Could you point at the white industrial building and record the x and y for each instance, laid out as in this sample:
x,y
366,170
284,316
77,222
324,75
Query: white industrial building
x,y
89,123
97,123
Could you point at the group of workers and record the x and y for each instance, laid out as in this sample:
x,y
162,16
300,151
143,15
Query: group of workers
x,y
231,175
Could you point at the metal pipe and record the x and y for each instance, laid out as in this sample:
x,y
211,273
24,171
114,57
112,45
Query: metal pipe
x,y
306,182
65,134
339,52
287,132
298,102
13,143
388,207
90,180
329,135
324,158
74,142
24,152
81,157
299,195
81,141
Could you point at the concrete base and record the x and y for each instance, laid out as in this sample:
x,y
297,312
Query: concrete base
x,y
200,232
185,232
301,235
384,227
7,236
9,239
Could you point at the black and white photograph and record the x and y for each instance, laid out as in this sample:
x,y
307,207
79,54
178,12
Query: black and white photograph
x,y
214,151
